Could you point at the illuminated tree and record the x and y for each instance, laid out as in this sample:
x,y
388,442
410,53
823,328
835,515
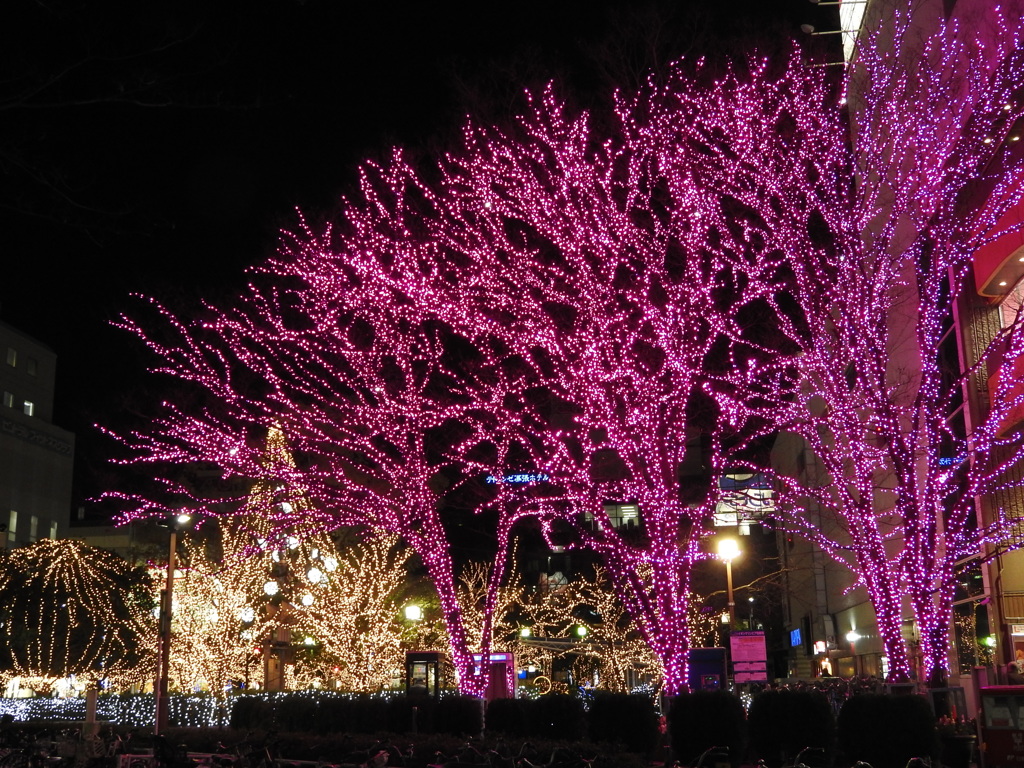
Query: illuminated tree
x,y
592,310
612,645
355,618
578,268
380,403
529,313
872,211
251,584
583,618
70,609
219,623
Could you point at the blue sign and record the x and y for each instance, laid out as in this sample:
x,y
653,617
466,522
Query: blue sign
x,y
519,478
795,638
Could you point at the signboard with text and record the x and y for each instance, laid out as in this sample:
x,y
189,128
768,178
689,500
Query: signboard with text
x,y
749,657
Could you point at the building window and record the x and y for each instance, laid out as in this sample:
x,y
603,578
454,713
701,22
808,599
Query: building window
x,y
620,515
8,399
33,528
53,530
29,407
12,523
12,356
31,366
744,499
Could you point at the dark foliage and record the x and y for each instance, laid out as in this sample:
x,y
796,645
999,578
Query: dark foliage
x,y
507,716
251,713
557,717
782,723
460,715
618,718
887,731
705,719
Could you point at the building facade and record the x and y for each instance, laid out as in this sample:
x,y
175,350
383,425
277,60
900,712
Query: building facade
x,y
36,456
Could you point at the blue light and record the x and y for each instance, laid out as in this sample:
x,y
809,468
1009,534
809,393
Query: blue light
x,y
519,478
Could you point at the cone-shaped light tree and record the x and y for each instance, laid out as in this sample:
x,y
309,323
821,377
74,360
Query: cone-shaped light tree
x,y
874,210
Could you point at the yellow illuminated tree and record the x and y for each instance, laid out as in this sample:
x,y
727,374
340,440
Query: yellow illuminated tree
x,y
612,653
70,609
240,583
354,621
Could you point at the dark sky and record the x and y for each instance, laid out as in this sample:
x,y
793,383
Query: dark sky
x,y
159,150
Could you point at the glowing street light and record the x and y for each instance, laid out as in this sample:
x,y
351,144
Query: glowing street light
x,y
729,550
413,612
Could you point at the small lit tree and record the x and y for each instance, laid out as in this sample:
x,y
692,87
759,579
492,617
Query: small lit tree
x,y
219,624
355,619
612,646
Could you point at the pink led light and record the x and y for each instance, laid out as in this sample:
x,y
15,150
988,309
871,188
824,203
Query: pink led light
x,y
560,301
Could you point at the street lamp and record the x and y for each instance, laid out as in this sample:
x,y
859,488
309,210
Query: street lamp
x,y
175,523
413,612
729,550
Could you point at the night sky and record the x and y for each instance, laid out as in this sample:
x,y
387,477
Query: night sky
x,y
159,150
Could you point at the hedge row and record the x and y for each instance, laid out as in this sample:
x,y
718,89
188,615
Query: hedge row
x,y
628,721
884,731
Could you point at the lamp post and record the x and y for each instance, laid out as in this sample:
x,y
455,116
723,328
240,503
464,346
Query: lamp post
x,y
729,550
166,611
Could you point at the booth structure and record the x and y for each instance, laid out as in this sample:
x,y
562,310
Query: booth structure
x,y
708,669
1002,725
423,672
501,682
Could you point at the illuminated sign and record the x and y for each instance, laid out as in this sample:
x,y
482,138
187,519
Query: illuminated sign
x,y
794,638
519,478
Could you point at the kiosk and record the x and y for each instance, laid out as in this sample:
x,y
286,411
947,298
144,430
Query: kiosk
x,y
423,672
1002,725
501,681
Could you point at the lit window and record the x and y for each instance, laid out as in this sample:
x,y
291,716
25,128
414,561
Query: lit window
x,y
33,528
12,525
620,515
29,407
12,356
31,366
8,399
53,530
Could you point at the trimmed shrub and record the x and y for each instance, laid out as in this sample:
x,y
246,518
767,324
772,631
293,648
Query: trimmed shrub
x,y
507,716
886,731
782,723
619,718
297,713
556,716
704,719
411,714
251,713
459,715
